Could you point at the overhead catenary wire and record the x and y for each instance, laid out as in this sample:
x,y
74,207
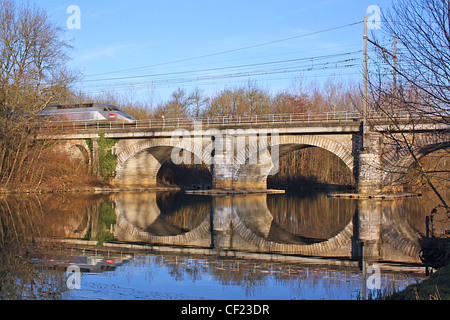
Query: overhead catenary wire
x,y
212,82
310,66
307,65
229,51
189,77
310,59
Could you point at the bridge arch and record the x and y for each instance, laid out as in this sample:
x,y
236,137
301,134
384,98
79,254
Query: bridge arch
x,y
398,161
138,218
197,236
253,222
273,149
77,151
341,241
401,237
80,152
139,163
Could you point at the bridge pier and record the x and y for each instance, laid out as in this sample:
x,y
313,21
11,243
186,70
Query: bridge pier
x,y
95,157
222,160
369,175
368,226
231,168
221,211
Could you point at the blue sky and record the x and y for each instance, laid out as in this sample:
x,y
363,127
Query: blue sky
x,y
140,48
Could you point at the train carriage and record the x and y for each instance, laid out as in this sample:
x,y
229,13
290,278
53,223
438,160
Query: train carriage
x,y
85,112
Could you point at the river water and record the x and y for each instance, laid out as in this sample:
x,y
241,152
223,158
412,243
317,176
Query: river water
x,y
172,245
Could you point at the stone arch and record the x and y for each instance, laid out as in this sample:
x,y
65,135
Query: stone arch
x,y
253,222
80,152
398,160
77,151
139,218
256,173
139,163
342,241
395,238
197,236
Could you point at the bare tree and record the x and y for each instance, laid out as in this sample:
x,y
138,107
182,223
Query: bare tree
x,y
227,102
198,102
33,72
257,100
33,59
413,82
177,107
422,30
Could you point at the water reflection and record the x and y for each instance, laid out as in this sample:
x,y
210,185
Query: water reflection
x,y
313,226
193,277
367,231
314,216
85,260
162,214
21,220
371,229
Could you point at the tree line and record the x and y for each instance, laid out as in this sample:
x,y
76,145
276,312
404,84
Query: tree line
x,y
251,99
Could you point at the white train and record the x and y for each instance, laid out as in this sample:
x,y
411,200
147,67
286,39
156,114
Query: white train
x,y
84,112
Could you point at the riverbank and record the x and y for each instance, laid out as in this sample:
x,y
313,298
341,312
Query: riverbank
x,y
112,189
390,196
104,189
435,253
436,287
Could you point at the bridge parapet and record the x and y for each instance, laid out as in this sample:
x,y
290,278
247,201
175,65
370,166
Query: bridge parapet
x,y
293,123
229,121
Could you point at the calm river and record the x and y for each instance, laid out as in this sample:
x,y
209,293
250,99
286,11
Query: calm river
x,y
161,245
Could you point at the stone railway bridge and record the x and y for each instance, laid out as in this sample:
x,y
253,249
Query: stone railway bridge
x,y
241,152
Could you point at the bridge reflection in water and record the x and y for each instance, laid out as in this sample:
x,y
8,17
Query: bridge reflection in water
x,y
260,242
369,230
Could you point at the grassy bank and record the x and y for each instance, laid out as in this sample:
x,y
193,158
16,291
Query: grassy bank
x,y
436,287
435,253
